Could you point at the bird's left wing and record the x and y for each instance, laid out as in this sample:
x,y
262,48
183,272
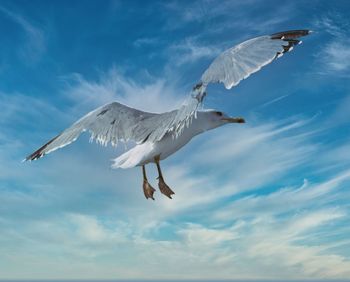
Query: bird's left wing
x,y
109,124
234,65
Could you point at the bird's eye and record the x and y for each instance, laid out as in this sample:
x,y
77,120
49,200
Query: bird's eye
x,y
219,113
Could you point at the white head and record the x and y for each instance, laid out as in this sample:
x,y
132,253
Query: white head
x,y
210,119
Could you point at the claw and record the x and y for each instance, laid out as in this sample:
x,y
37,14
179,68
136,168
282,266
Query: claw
x,y
148,190
164,188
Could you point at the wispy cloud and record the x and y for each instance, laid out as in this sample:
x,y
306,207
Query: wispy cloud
x,y
285,200
333,61
201,11
273,101
264,247
146,41
235,16
333,23
35,41
278,243
156,95
190,51
334,57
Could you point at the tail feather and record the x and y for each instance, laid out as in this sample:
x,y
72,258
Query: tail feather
x,y
134,157
122,161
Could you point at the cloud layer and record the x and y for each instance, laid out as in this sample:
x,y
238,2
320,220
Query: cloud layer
x,y
264,200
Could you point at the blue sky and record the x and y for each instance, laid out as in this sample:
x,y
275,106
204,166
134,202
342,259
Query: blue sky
x,y
268,199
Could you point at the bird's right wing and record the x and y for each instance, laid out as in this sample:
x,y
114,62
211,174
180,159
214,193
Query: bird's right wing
x,y
109,124
236,64
242,60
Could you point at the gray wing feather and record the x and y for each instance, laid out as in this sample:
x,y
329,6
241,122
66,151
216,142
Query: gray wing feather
x,y
244,59
236,64
111,123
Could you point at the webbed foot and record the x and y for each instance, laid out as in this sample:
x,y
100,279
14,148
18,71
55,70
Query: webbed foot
x,y
148,190
164,188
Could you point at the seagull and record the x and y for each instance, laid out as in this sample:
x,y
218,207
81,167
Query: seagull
x,y
157,136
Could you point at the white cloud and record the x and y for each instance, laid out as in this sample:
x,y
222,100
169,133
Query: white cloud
x,y
35,41
297,260
20,109
154,96
334,57
190,51
264,247
273,101
146,41
332,23
237,16
285,200
89,228
195,234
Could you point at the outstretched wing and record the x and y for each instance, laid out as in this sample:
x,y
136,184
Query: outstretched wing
x,y
109,124
236,64
239,62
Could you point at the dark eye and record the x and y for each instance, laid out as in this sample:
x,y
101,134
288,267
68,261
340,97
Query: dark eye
x,y
219,113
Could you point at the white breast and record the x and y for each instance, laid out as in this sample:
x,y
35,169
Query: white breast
x,y
146,152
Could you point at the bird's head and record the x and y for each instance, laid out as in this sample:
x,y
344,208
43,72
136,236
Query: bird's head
x,y
215,118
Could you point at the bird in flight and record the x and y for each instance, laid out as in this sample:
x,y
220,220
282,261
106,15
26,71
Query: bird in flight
x,y
158,136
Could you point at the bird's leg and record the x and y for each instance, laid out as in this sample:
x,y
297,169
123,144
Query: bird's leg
x,y
148,190
163,187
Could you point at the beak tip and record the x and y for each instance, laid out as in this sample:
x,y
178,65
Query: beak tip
x,y
234,120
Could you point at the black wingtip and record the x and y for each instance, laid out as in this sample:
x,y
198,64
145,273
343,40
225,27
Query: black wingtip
x,y
291,34
39,153
291,38
36,155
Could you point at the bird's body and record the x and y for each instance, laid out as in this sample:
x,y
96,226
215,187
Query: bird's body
x,y
158,136
146,152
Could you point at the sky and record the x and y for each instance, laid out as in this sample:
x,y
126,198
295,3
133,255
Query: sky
x,y
265,200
